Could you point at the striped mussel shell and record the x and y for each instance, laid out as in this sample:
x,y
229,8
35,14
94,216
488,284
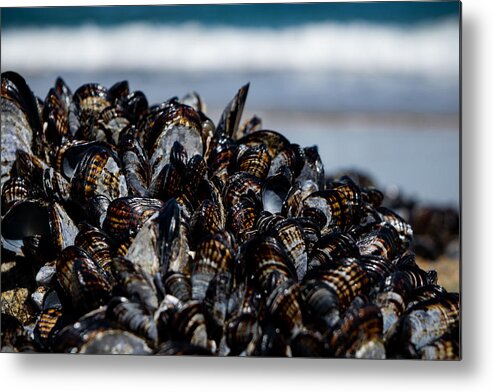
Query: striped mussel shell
x,y
424,293
242,329
216,303
97,243
213,254
133,317
347,278
320,303
284,309
403,228
238,185
334,205
359,334
88,102
372,196
445,348
50,320
207,219
20,125
125,216
15,189
241,333
220,159
229,122
242,217
196,173
392,299
135,105
311,233
290,236
254,161
382,240
274,141
332,247
293,201
188,324
70,153
178,156
96,210
135,163
118,91
44,181
267,264
167,183
133,284
292,157
110,124
177,123
174,245
98,173
428,321
55,114
82,279
178,285
376,267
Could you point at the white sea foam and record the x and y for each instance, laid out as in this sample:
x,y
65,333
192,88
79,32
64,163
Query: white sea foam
x,y
429,49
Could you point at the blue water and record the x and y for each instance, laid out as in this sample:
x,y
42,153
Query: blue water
x,y
239,15
316,62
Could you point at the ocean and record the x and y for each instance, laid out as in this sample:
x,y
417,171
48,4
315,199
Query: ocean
x,y
375,85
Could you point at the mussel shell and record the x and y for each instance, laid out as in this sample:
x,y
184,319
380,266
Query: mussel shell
x,y
135,163
238,185
213,254
14,189
241,332
230,119
178,285
82,279
98,173
125,216
133,317
284,308
97,244
189,325
360,334
254,160
333,246
429,320
88,102
133,285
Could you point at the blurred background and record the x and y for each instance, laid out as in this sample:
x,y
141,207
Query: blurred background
x,y
375,84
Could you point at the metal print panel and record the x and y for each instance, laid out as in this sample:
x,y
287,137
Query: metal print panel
x,y
232,180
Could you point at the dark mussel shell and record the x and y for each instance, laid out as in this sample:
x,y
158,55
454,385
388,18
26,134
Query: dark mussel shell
x,y
125,216
82,279
98,173
230,119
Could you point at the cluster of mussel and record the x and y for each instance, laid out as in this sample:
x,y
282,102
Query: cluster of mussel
x,y
139,229
435,227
